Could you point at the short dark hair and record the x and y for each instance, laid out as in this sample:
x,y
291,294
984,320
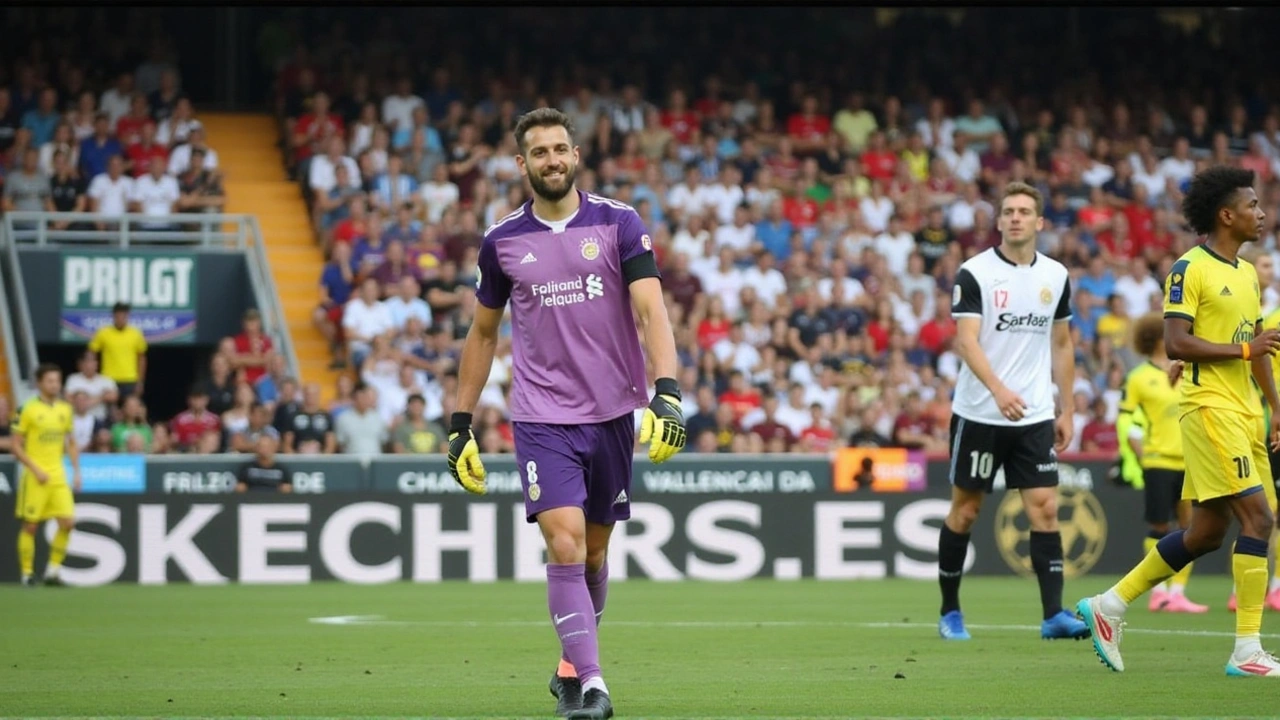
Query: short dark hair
x,y
542,117
120,307
1148,331
1210,190
46,368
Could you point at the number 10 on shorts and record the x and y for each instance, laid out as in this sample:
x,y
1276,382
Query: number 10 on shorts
x,y
1243,470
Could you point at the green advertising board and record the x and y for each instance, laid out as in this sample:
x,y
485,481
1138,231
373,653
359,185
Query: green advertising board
x,y
160,289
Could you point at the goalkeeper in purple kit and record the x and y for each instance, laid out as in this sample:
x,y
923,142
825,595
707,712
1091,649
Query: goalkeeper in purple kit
x,y
574,267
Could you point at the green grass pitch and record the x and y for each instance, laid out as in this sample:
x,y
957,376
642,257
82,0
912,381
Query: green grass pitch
x,y
681,650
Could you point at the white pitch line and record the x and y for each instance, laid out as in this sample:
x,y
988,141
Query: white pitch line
x,y
725,624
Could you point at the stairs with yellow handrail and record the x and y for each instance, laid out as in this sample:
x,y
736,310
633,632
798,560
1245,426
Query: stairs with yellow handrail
x,y
256,184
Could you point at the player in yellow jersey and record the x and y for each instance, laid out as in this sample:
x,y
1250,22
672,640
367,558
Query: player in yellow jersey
x,y
41,435
1213,322
1270,322
1149,391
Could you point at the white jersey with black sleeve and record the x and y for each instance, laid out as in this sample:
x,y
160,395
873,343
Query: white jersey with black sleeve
x,y
1018,306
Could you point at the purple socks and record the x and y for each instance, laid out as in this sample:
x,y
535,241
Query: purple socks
x,y
573,615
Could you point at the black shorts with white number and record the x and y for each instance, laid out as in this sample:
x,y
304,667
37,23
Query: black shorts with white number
x,y
1025,452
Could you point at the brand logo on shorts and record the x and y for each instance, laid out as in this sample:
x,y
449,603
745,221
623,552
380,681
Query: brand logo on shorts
x,y
622,498
535,492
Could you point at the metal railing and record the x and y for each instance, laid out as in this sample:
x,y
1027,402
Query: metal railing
x,y
206,231
19,388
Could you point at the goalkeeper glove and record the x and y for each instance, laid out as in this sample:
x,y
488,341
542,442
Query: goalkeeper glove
x,y
464,454
663,423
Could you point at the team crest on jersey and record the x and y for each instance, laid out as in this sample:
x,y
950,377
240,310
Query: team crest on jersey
x,y
955,295
479,276
590,249
1177,276
1046,295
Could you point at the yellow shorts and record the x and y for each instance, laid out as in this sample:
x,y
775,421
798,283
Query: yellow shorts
x,y
1226,455
39,502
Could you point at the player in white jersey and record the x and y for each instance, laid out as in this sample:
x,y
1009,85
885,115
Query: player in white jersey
x,y
1012,307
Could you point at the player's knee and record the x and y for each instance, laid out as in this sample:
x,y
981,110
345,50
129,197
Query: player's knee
x,y
66,523
596,558
963,515
30,528
566,549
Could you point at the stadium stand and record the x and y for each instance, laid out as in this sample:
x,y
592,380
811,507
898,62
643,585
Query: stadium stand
x,y
809,229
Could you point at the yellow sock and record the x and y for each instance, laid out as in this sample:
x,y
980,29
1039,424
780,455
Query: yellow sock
x,y
58,548
1152,571
1250,573
1181,577
26,552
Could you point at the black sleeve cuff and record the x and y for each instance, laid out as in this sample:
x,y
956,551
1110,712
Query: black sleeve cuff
x,y
667,386
459,421
641,266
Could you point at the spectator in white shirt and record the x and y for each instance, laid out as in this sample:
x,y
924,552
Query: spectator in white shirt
x,y
684,198
961,160
156,194
115,101
768,282
109,193
735,353
100,389
876,209
739,235
692,239
723,196
725,282
895,245
397,109
438,195
321,177
1138,288
364,319
406,304
794,413
850,289
180,158
361,430
177,128
1178,167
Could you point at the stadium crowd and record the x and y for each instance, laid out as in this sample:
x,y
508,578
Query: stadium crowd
x,y
808,232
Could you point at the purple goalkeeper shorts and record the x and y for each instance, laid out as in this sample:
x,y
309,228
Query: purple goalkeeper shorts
x,y
586,466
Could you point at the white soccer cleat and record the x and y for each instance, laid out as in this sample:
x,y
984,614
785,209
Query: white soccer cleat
x,y
1105,630
1259,664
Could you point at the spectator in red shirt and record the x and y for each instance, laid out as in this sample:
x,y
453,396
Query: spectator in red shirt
x,y
740,396
769,430
807,129
1098,434
797,207
356,225
878,161
145,150
129,127
1142,219
913,429
193,423
253,348
783,164
820,436
715,326
1096,218
314,128
996,161
678,118
941,328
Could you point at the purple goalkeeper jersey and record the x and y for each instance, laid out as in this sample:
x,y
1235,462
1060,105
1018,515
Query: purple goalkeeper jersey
x,y
575,347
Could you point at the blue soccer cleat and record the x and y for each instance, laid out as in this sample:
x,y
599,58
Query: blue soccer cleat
x,y
951,626
1062,626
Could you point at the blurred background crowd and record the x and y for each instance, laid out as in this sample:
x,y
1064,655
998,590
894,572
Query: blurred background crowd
x,y
810,187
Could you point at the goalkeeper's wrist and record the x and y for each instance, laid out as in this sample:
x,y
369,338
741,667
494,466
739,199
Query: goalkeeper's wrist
x,y
667,386
459,422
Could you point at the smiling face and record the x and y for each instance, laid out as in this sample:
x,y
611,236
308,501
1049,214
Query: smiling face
x,y
549,160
